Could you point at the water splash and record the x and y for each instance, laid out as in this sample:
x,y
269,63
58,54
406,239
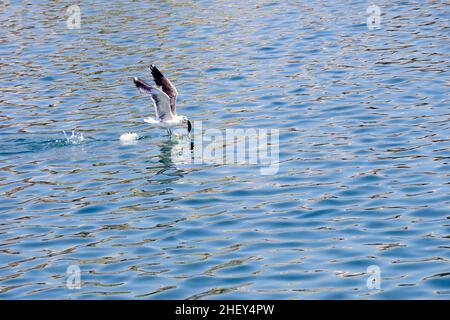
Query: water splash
x,y
13,143
129,138
75,138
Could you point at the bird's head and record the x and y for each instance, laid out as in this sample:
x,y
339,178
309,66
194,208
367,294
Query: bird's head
x,y
185,119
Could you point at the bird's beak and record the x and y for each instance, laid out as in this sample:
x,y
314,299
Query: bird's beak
x,y
189,128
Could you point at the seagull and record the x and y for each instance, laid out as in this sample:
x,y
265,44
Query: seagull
x,y
164,101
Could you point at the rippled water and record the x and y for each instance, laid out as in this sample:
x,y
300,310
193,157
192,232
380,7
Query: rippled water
x,y
364,173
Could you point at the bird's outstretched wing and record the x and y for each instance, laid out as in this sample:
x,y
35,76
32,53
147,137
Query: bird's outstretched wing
x,y
160,100
166,86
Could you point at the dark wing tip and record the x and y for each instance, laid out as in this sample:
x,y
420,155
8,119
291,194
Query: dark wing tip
x,y
154,69
137,81
157,75
140,84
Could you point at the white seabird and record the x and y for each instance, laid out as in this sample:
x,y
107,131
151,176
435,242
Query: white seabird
x,y
164,101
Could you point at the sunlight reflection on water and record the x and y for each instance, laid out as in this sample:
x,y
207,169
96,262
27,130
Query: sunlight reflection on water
x,y
364,151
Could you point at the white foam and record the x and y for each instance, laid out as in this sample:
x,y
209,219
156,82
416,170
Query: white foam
x,y
75,138
129,138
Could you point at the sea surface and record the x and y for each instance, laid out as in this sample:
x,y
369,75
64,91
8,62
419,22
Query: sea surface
x,y
358,208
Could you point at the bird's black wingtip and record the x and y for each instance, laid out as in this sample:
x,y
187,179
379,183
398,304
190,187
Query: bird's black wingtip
x,y
137,81
155,71
140,84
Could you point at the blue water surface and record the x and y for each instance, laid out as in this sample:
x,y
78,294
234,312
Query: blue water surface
x,y
364,151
